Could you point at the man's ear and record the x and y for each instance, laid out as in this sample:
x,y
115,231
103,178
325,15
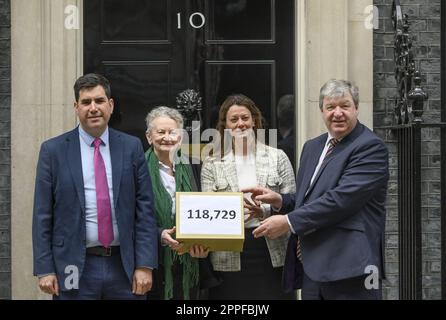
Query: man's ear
x,y
112,105
75,106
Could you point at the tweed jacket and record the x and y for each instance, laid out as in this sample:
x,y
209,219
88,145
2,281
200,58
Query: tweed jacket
x,y
274,171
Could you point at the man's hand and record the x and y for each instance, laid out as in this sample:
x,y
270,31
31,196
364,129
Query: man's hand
x,y
272,227
265,195
142,281
49,284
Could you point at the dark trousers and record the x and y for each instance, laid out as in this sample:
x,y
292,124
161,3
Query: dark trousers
x,y
257,279
157,292
346,289
103,278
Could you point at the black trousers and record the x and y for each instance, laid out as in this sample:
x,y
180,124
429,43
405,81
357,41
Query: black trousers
x,y
157,292
257,280
346,289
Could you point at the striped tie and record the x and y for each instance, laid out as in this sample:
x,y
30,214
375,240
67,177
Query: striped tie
x,y
298,250
333,142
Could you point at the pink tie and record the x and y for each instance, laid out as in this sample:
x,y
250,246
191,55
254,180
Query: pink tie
x,y
105,227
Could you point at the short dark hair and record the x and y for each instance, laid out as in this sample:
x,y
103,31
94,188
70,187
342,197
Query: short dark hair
x,y
89,81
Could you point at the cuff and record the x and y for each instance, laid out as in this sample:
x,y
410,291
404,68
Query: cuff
x,y
289,223
45,274
266,208
275,210
144,267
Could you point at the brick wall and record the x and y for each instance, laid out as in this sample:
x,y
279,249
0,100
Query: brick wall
x,y
5,149
424,18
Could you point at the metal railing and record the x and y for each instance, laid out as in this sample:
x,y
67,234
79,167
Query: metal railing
x,y
408,126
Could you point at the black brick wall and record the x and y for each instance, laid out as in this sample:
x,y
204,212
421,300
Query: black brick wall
x,y
424,18
5,149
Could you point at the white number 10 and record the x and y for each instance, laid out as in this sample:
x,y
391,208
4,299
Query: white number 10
x,y
191,22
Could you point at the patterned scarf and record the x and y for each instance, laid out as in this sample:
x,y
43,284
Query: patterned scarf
x,y
184,181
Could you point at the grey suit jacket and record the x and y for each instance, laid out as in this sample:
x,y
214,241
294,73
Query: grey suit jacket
x,y
274,171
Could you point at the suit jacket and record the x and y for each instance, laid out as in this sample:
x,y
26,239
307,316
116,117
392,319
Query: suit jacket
x,y
274,171
59,226
340,218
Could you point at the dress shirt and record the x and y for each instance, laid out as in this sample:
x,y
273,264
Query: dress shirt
x,y
168,183
319,164
87,155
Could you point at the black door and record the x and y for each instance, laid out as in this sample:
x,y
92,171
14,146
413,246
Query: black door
x,y
153,49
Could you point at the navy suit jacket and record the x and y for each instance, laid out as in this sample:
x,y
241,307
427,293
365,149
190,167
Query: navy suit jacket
x,y
59,226
340,218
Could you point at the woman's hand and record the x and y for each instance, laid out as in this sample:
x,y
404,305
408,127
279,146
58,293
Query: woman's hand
x,y
198,251
166,239
255,210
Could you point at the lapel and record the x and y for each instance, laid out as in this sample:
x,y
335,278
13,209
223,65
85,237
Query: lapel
x,y
230,172
74,162
315,152
116,155
338,149
262,164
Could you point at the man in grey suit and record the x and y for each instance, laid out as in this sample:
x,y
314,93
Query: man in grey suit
x,y
94,231
337,215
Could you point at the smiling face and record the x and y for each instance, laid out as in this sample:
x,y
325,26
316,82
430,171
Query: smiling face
x,y
239,120
164,135
340,115
94,110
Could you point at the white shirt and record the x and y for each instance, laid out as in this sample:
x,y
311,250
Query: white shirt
x,y
319,164
168,183
321,159
246,175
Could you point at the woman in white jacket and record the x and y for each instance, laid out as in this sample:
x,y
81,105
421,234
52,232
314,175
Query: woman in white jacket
x,y
256,272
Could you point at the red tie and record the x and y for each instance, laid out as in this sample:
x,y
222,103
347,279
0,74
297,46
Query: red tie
x,y
105,227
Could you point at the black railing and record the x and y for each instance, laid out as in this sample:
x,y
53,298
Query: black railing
x,y
408,127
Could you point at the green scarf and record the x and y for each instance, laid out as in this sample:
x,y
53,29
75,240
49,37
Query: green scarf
x,y
184,181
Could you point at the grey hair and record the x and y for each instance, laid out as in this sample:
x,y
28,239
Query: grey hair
x,y
166,112
338,88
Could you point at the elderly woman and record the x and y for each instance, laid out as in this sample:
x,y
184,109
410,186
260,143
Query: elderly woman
x,y
178,276
256,272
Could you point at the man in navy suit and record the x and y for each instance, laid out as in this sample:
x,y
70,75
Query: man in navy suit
x,y
94,231
337,215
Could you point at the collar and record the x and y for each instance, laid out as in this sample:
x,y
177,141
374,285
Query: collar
x,y
164,167
88,139
329,137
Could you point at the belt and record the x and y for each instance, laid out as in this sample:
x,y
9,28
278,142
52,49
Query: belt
x,y
103,251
